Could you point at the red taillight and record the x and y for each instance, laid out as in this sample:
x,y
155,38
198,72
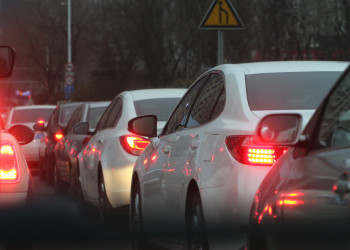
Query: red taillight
x,y
245,151
41,121
86,140
58,136
9,172
134,144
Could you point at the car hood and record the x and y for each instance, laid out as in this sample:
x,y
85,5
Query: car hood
x,y
306,113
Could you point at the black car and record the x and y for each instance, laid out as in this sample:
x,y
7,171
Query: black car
x,y
304,201
54,129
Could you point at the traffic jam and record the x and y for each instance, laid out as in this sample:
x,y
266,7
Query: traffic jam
x,y
246,155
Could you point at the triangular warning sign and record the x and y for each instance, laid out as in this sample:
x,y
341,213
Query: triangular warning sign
x,y
221,15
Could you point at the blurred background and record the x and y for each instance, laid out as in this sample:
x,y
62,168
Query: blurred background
x,y
129,44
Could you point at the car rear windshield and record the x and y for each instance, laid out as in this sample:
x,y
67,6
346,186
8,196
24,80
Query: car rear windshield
x,y
162,107
30,115
66,113
94,116
288,91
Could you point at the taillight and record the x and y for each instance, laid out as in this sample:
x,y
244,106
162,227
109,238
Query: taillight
x,y
41,121
243,149
86,140
9,172
134,144
58,136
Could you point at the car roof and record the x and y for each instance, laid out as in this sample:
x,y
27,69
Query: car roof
x,y
35,107
284,66
155,93
98,104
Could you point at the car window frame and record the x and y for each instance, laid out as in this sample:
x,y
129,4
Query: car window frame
x,y
220,74
198,81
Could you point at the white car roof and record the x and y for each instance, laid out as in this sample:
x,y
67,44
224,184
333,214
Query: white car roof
x,y
284,66
98,104
155,93
35,107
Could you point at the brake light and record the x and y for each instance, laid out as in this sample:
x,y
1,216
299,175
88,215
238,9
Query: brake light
x,y
9,172
134,144
86,140
41,121
243,149
58,136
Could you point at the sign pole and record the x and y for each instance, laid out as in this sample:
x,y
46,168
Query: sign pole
x,y
221,47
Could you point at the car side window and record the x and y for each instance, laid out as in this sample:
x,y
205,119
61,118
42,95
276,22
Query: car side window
x,y
115,114
335,123
74,119
104,118
53,120
209,100
178,118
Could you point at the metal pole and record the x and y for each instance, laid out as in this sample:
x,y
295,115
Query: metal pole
x,y
69,32
220,47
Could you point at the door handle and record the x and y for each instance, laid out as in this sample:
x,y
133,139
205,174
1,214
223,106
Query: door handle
x,y
166,149
99,141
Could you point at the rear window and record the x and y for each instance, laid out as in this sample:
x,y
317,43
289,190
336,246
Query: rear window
x,y
94,116
288,91
162,107
30,115
66,113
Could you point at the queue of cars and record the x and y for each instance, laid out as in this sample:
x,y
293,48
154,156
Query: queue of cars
x,y
189,160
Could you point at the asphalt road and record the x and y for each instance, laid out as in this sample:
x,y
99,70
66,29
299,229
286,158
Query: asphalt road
x,y
52,221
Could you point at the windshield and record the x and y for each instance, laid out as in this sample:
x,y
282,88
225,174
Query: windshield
x,y
30,115
162,108
288,91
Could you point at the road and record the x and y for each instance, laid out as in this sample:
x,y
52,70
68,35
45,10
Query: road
x,y
52,222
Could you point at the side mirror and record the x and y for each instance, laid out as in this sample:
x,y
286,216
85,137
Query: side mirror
x,y
279,129
144,125
7,60
23,134
81,128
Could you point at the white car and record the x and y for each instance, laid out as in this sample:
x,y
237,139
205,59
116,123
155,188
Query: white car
x,y
106,163
203,170
29,116
15,179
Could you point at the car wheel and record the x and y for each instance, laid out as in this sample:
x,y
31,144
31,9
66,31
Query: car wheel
x,y
196,234
59,186
136,220
104,207
73,190
49,170
85,209
42,174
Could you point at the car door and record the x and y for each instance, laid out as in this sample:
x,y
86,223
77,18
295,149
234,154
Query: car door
x,y
187,147
315,198
91,156
156,162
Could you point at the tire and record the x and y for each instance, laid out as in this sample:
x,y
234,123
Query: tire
x,y
42,174
73,185
86,210
49,170
196,233
104,207
136,220
60,186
